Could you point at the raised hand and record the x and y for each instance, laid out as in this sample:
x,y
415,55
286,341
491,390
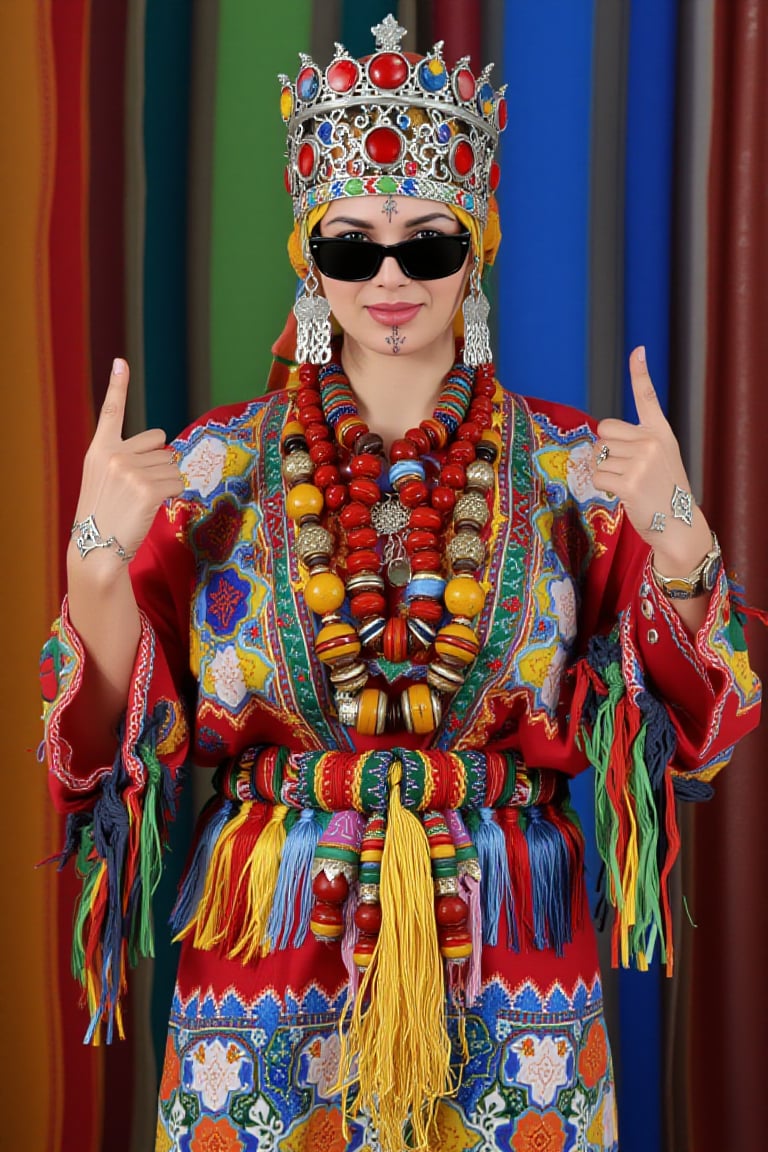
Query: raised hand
x,y
124,480
642,465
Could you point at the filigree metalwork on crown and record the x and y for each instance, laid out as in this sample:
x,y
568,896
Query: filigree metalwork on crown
x,y
392,124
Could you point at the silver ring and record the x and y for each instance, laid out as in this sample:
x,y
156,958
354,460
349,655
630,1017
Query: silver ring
x,y
659,522
603,455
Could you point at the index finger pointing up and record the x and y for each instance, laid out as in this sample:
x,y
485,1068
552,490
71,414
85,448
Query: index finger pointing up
x,y
649,411
110,424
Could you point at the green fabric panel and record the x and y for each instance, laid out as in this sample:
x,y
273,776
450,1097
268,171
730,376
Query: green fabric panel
x,y
358,17
252,284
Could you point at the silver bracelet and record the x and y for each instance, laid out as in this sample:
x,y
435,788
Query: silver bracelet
x,y
87,537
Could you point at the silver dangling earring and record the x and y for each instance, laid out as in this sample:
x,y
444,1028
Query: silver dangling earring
x,y
477,336
313,323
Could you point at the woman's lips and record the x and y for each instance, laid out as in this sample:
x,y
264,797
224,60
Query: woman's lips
x,y
393,314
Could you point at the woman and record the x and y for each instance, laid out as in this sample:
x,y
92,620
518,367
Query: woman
x,y
396,608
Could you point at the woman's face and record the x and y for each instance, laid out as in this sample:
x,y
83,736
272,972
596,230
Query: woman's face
x,y
392,314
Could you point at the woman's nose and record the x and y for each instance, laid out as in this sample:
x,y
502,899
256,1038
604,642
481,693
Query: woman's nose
x,y
390,273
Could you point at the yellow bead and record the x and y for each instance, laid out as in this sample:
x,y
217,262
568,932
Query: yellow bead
x,y
371,712
464,597
419,709
324,592
336,642
458,643
304,500
292,428
460,950
492,435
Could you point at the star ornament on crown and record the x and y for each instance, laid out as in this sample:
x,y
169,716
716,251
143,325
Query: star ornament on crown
x,y
392,124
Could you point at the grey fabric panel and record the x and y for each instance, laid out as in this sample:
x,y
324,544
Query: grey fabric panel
x,y
326,29
694,122
205,24
606,241
135,214
493,39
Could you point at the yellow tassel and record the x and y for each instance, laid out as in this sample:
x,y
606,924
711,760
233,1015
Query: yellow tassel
x,y
260,876
209,923
629,881
397,1051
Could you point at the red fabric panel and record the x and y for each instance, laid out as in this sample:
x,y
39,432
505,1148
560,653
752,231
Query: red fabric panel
x,y
82,1068
458,23
107,189
731,847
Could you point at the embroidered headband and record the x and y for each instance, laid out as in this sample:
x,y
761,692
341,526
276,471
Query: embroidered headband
x,y
392,124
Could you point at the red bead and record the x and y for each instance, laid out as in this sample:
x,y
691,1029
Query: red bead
x,y
465,85
314,433
402,450
355,515
480,408
418,540
365,490
443,499
366,560
469,430
323,452
485,386
388,70
331,889
436,431
425,517
312,414
329,916
362,537
352,430
342,75
367,604
463,158
369,466
326,475
306,397
368,918
308,374
419,437
461,452
395,641
430,561
451,911
384,146
427,610
453,475
412,493
336,497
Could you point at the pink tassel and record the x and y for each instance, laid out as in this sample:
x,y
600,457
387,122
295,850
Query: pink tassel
x,y
470,891
349,940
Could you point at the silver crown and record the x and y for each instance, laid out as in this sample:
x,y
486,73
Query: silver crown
x,y
389,125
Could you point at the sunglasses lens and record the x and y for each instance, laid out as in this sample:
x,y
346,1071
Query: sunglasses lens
x,y
345,259
429,258
433,257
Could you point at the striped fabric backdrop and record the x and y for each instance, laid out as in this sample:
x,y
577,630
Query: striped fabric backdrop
x,y
142,213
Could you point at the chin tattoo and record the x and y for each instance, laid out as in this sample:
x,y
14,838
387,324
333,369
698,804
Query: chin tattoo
x,y
395,341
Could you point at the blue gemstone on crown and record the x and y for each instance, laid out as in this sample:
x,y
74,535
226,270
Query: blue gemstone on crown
x,y
325,131
444,133
433,76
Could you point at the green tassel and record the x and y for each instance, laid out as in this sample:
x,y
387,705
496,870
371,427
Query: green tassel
x,y
89,870
649,920
597,746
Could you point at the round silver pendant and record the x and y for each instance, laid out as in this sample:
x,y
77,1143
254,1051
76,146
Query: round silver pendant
x,y
399,571
389,516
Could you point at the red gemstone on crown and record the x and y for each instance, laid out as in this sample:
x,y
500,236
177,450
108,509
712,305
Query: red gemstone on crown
x,y
501,114
494,177
465,85
388,70
306,160
287,179
383,145
463,158
342,75
411,167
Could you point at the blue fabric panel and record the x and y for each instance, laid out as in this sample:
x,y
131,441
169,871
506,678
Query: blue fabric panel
x,y
358,17
649,183
544,199
166,134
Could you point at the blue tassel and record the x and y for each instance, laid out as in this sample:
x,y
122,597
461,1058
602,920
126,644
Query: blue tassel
x,y
193,884
495,884
550,881
294,882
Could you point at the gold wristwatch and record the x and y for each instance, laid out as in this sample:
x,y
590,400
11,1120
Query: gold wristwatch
x,y
702,579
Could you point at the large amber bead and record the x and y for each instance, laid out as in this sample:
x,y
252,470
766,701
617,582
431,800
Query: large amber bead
x,y
464,597
457,643
336,642
324,592
304,500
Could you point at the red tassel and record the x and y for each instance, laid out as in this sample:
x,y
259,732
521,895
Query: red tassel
x,y
519,875
673,849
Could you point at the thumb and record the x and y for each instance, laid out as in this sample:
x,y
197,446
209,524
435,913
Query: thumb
x,y
112,414
649,411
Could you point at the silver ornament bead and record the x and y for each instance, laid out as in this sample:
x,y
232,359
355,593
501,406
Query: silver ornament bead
x,y
480,474
467,546
298,467
314,542
471,510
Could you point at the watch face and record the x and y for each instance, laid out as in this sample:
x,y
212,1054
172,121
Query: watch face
x,y
710,571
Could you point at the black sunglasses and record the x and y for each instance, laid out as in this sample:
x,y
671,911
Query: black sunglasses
x,y
426,258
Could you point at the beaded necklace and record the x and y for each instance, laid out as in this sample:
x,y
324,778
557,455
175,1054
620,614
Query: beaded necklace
x,y
395,503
